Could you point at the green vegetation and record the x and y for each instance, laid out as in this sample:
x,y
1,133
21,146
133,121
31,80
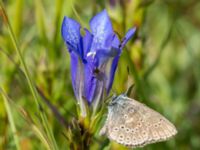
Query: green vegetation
x,y
162,61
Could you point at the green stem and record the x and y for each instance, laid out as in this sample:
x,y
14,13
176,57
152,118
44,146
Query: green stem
x,y
10,118
28,77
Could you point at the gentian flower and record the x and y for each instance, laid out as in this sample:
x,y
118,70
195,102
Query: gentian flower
x,y
94,57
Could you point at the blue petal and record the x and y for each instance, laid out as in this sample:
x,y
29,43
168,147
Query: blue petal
x,y
101,29
94,82
128,36
115,61
90,82
112,73
112,41
71,34
103,55
106,63
112,49
103,60
115,41
83,81
75,68
77,76
113,65
87,42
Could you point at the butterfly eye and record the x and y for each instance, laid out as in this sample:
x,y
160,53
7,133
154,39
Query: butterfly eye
x,y
112,103
114,98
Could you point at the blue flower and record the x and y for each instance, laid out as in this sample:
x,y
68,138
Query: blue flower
x,y
94,56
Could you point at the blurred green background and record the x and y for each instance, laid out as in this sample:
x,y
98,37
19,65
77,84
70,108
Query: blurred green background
x,y
163,61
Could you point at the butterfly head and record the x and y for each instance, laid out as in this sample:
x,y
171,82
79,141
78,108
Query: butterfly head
x,y
117,99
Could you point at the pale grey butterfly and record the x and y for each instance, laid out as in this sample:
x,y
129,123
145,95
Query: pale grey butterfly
x,y
133,124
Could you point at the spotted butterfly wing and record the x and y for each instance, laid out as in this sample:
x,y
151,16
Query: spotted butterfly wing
x,y
133,124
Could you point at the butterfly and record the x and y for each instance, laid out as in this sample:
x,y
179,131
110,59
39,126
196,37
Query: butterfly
x,y
133,124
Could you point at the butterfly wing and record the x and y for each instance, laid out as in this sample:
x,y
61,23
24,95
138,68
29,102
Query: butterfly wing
x,y
133,124
159,128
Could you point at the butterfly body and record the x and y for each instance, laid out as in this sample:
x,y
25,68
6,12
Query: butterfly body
x,y
133,124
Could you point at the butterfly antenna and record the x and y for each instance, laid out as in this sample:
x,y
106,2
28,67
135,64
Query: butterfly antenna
x,y
129,90
107,99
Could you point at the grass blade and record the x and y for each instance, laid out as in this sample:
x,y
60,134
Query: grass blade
x,y
10,118
28,77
